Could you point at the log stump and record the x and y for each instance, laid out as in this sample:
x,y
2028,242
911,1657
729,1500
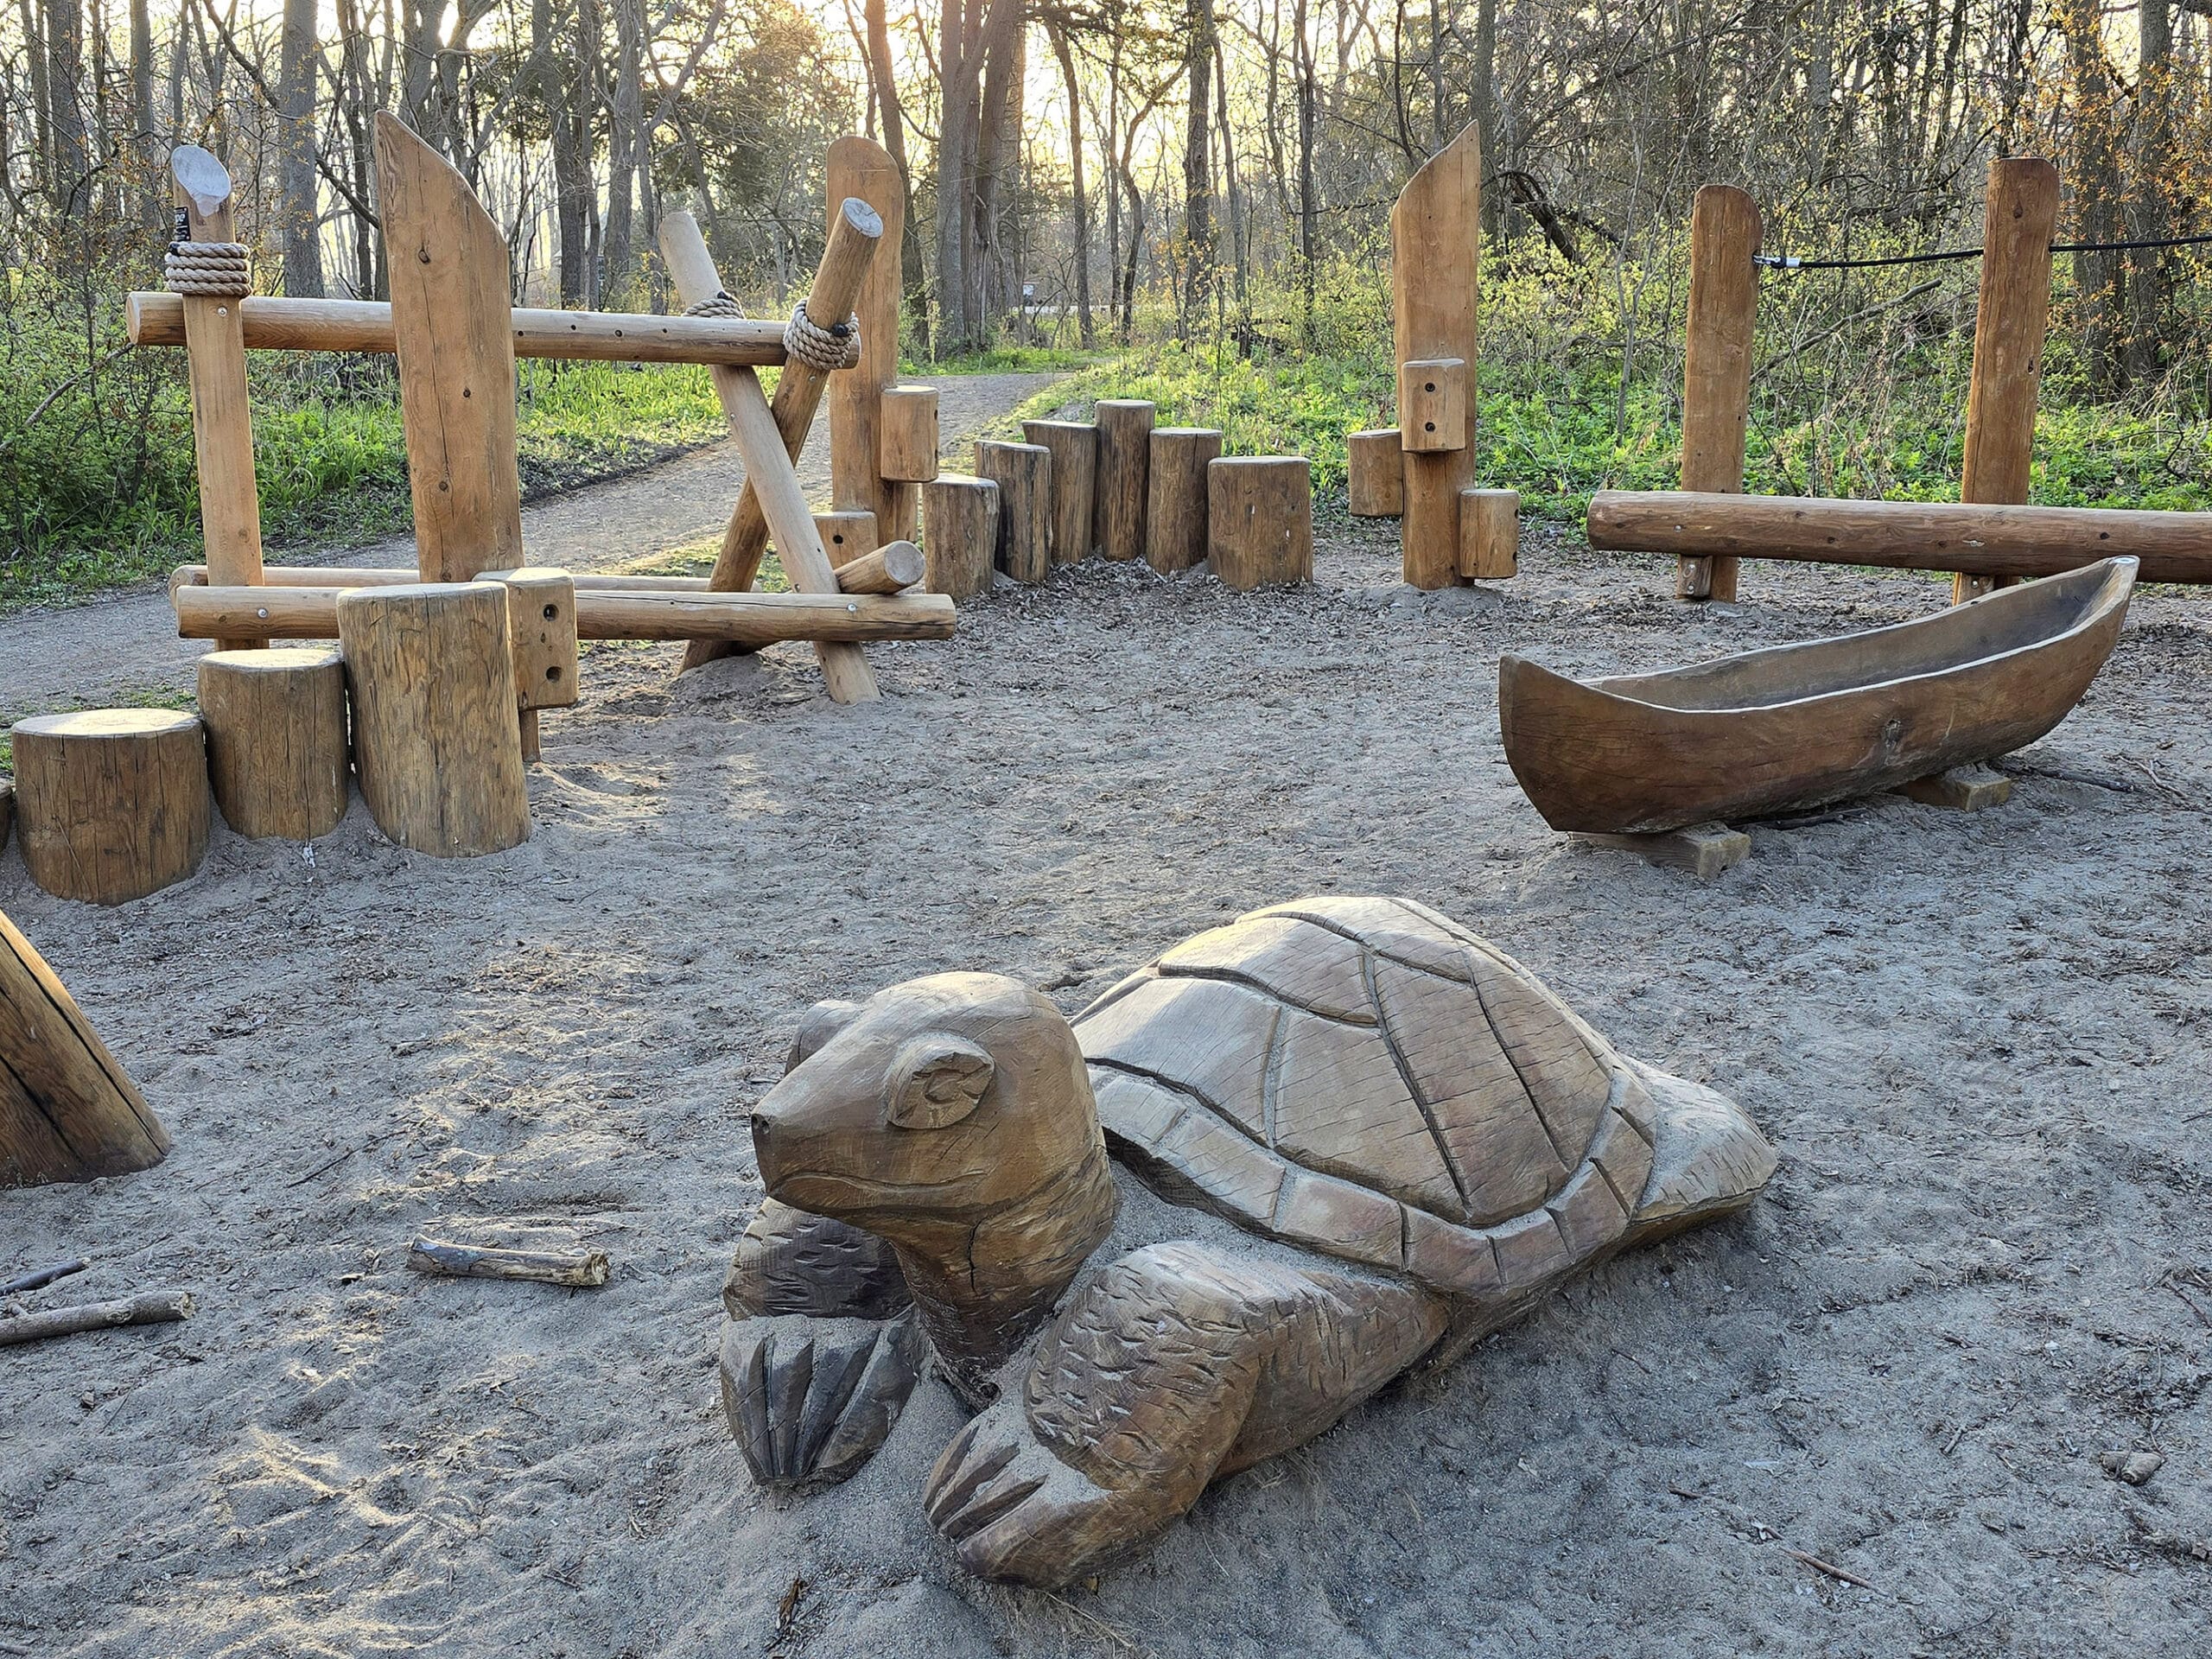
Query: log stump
x,y
847,535
906,439
1074,445
113,801
436,738
67,1111
1490,534
1023,473
1175,497
959,533
1123,476
276,749
1260,517
1374,473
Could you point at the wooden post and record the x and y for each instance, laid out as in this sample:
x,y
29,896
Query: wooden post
x,y
222,419
1124,477
452,322
68,1112
277,754
907,442
542,618
854,235
1435,257
2021,213
863,168
1175,501
1023,473
1074,445
891,568
436,737
846,537
113,801
1259,518
1374,473
1724,234
960,532
766,448
1432,404
1490,534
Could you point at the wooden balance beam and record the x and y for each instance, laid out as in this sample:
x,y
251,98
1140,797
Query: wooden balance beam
x,y
272,612
888,570
1974,539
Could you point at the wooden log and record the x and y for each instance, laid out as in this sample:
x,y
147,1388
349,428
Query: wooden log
x,y
1122,479
1175,497
1490,534
436,738
161,1307
2021,212
1074,445
1023,473
113,801
69,1110
751,620
453,331
1374,473
346,575
959,533
277,754
861,168
1997,541
1432,404
845,536
771,501
275,324
1725,234
578,1270
1435,248
1259,514
212,331
42,1277
888,570
906,440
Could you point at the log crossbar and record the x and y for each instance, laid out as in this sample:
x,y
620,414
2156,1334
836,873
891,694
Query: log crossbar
x,y
1979,540
274,324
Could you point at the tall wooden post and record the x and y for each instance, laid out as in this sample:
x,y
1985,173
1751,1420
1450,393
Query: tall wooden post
x,y
1435,255
860,167
2008,335
1725,231
222,421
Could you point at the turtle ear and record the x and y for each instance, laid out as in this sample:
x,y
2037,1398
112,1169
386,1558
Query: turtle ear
x,y
816,1027
936,1080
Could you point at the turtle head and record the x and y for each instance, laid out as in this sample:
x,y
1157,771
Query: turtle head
x,y
940,1099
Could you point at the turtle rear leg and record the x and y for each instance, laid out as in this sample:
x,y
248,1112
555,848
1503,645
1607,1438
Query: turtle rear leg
x,y
1176,1363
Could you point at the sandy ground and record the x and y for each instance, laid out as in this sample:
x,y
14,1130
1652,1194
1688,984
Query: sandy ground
x,y
1978,1041
126,642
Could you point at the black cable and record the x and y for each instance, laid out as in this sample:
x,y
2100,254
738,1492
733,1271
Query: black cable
x,y
1787,262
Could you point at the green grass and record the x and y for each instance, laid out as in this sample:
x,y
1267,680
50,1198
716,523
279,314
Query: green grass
x,y
1000,359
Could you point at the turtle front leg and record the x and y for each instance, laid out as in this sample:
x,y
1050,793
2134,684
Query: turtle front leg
x,y
1176,1363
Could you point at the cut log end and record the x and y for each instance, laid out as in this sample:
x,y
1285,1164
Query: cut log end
x,y
114,802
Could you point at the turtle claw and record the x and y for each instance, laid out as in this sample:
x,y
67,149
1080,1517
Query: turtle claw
x,y
809,1400
1012,1511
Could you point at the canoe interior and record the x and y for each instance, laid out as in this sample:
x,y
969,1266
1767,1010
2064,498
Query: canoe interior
x,y
2010,620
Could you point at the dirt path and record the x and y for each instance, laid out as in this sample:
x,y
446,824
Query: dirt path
x,y
1979,1042
127,642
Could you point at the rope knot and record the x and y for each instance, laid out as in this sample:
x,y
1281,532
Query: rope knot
x,y
827,349
720,303
216,270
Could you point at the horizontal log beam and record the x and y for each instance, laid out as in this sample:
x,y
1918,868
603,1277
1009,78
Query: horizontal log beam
x,y
273,324
341,575
752,619
1978,540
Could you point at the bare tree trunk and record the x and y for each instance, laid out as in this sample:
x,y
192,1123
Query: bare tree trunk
x,y
1485,98
566,87
960,74
65,73
1303,48
1056,28
1197,168
625,149
298,58
2151,217
998,139
884,84
2097,192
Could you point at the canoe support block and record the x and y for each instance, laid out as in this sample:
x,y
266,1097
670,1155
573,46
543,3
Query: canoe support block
x,y
1703,849
1962,789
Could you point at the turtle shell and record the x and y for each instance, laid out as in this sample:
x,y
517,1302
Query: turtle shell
x,y
1367,1078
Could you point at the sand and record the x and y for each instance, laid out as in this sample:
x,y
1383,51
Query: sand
x,y
1978,1041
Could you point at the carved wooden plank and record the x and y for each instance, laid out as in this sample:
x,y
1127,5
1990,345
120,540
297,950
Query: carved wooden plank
x,y
860,168
1435,259
1725,232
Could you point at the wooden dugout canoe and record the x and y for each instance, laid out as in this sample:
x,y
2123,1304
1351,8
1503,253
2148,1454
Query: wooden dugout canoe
x,y
1794,726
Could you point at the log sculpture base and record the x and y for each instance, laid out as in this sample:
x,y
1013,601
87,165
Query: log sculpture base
x,y
435,730
67,1111
277,749
1962,789
1260,520
1703,849
1074,445
114,801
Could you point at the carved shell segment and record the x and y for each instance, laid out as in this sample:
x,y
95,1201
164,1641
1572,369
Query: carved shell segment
x,y
1452,1120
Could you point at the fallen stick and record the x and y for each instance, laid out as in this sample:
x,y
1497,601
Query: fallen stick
x,y
161,1307
443,1260
43,1277
748,619
1829,1567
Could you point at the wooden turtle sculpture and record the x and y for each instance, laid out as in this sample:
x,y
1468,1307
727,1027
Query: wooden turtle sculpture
x,y
1347,1137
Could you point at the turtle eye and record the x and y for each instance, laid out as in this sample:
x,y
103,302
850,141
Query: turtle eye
x,y
935,1081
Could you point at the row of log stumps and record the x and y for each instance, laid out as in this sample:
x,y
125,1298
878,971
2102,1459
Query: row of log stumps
x,y
1119,488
